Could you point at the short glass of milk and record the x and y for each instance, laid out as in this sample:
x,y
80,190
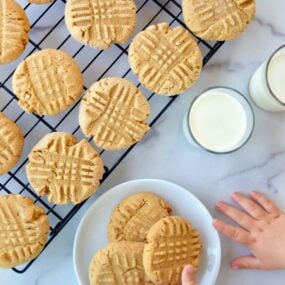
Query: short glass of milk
x,y
267,85
220,120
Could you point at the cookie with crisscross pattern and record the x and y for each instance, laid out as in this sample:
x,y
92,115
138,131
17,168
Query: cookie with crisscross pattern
x,y
14,28
99,23
218,20
119,263
63,169
135,215
114,112
172,243
47,82
11,143
166,60
24,229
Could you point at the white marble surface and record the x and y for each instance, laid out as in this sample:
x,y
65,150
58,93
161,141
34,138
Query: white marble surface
x,y
166,154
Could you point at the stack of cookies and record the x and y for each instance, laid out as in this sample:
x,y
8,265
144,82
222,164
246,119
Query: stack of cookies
x,y
147,245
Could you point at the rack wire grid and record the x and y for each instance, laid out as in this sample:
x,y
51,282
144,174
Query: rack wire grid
x,y
48,31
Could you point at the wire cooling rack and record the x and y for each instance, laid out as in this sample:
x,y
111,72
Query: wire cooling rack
x,y
48,31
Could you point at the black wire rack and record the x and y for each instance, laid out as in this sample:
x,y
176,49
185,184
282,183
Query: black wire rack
x,y
48,30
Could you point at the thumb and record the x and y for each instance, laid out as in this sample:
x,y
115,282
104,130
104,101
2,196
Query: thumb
x,y
188,275
247,262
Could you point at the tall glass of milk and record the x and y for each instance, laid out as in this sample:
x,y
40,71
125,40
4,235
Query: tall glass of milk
x,y
267,85
220,120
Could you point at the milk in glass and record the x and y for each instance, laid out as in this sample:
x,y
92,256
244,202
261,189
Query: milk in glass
x,y
267,85
220,120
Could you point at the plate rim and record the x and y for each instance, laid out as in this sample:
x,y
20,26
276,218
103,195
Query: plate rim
x,y
143,180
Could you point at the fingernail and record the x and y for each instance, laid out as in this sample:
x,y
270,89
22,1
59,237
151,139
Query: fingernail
x,y
235,195
235,267
189,269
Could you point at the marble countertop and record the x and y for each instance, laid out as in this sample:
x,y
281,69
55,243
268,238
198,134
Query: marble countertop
x,y
166,154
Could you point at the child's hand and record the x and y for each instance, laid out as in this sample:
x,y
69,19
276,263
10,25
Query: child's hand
x,y
188,275
263,231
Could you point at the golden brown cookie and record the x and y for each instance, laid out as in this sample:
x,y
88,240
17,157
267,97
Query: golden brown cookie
x,y
11,143
119,263
135,215
14,30
40,1
172,243
47,82
218,20
114,113
24,229
63,169
167,60
102,22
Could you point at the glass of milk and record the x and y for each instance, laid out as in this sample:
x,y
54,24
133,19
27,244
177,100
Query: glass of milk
x,y
220,120
267,85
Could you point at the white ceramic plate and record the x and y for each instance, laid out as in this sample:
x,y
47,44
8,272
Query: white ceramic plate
x,y
92,231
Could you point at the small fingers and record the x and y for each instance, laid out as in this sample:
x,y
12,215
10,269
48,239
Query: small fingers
x,y
236,215
250,206
236,234
266,203
248,262
188,275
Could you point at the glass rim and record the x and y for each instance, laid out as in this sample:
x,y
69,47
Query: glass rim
x,y
267,76
251,111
